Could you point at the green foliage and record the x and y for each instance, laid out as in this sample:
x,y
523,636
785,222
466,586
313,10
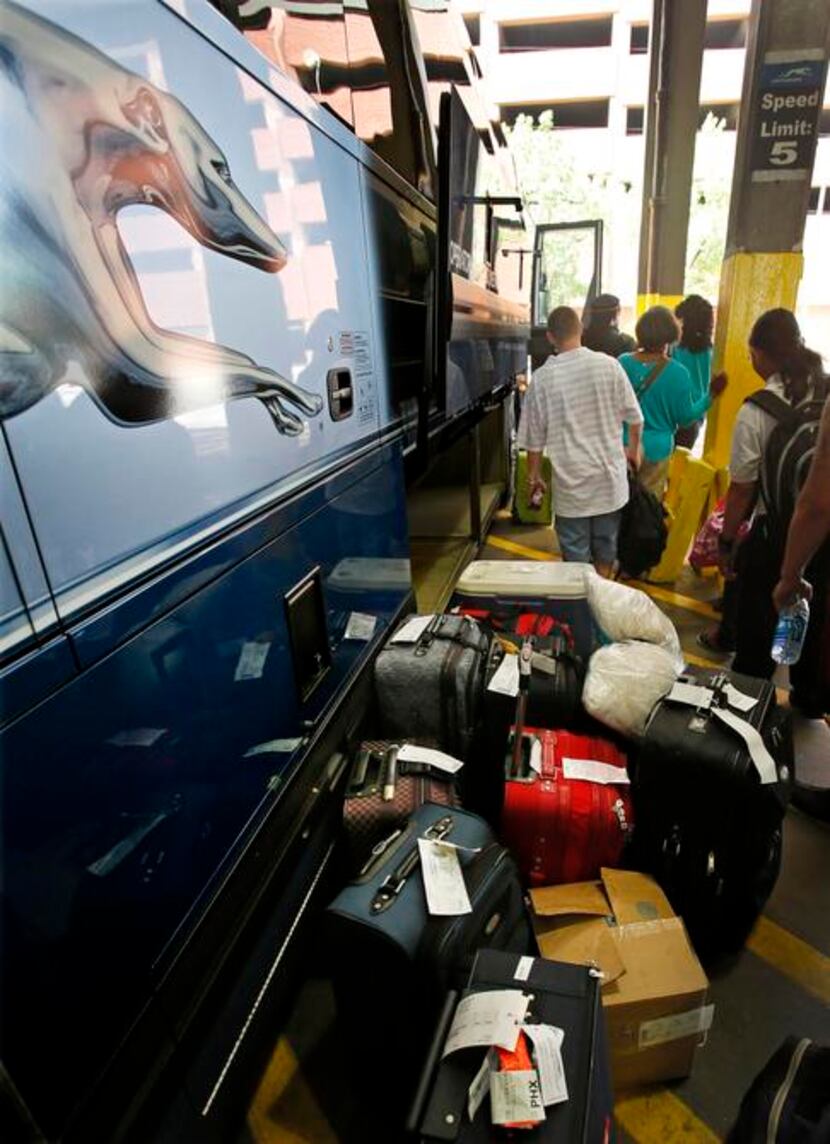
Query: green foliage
x,y
709,208
566,177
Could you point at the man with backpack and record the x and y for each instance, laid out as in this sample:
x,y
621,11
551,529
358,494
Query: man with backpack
x,y
810,525
774,441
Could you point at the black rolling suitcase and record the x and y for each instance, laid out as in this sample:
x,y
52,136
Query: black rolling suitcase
x,y
392,962
564,996
430,684
429,680
708,827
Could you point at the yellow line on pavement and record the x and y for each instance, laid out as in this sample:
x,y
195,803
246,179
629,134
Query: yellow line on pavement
x,y
701,661
687,603
660,1117
519,549
284,1109
793,957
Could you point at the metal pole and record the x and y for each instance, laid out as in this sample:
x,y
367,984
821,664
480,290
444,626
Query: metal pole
x,y
677,34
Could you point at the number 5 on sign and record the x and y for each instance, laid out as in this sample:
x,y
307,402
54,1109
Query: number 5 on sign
x,y
783,152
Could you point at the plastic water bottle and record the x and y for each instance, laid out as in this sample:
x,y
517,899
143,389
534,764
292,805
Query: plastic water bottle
x,y
790,632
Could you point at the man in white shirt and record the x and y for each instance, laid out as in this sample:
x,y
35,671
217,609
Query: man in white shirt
x,y
575,408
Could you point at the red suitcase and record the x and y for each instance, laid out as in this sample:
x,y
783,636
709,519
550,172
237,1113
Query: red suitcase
x,y
563,829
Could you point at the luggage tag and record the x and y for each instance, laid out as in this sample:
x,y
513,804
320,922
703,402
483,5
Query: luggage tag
x,y
429,758
360,626
493,1017
505,679
413,629
591,771
444,886
547,1045
516,1089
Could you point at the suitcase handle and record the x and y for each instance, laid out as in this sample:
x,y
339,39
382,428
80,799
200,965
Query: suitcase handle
x,y
428,635
393,883
442,1029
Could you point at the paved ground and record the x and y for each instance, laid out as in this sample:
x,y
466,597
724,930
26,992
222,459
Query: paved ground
x,y
779,985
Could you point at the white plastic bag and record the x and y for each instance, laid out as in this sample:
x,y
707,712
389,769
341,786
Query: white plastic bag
x,y
625,613
624,681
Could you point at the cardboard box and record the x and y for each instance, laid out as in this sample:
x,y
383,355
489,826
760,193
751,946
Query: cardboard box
x,y
654,989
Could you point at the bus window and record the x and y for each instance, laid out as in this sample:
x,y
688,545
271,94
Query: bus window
x,y
362,60
389,90
307,42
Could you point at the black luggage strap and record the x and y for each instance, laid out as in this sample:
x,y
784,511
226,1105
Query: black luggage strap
x,y
428,635
393,883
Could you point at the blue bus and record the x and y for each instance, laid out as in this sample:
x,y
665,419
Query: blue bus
x,y
249,291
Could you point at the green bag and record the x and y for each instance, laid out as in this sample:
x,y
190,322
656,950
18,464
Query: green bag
x,y
523,511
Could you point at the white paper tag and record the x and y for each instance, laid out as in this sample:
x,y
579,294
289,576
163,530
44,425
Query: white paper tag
x,y
763,760
412,630
251,662
506,679
411,753
273,747
443,879
738,700
536,755
691,694
360,626
479,1087
516,1097
491,1018
547,1041
592,771
523,969
137,737
672,1028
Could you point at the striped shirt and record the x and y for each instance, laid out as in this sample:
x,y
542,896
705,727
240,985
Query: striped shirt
x,y
575,409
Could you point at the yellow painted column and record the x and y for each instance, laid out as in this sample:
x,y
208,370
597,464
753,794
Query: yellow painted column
x,y
750,284
646,301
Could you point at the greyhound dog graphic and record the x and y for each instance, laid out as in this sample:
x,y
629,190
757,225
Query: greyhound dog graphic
x,y
82,138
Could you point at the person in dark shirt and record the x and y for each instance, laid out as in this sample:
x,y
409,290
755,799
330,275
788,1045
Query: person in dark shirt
x,y
601,332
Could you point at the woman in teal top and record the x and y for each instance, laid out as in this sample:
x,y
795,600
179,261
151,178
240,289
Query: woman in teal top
x,y
697,321
666,392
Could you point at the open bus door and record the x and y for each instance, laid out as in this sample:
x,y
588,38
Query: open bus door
x,y
567,271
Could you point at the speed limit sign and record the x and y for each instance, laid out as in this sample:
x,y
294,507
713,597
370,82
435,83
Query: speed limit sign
x,y
786,115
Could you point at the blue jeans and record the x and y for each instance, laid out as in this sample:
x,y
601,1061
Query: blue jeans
x,y
589,539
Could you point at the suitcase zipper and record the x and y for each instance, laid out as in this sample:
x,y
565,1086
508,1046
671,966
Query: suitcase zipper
x,y
777,1109
393,883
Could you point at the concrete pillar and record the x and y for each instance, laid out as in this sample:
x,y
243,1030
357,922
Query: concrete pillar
x,y
677,32
784,77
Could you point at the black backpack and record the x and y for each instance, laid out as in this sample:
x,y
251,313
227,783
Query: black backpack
x,y
643,531
789,452
789,1100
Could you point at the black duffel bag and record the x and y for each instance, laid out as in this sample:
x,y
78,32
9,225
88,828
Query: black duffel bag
x,y
643,530
789,1100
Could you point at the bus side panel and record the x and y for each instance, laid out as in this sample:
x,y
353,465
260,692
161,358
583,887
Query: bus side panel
x,y
129,791
184,269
